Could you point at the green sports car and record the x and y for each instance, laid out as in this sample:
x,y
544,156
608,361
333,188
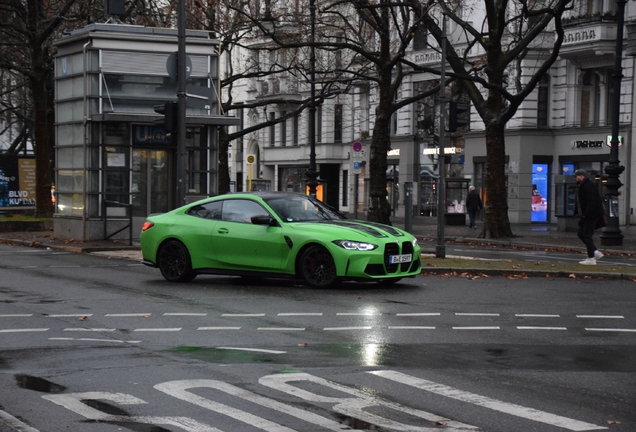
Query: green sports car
x,y
275,234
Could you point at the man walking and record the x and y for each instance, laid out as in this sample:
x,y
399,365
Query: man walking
x,y
473,204
590,208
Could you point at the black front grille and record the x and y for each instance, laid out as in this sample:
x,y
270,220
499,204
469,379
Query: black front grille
x,y
391,249
407,248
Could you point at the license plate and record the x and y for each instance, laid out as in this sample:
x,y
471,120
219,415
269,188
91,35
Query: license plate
x,y
396,259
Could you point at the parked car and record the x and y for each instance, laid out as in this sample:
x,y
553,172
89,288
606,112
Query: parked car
x,y
275,234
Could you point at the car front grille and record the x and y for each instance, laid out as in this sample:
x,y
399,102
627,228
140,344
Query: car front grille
x,y
394,269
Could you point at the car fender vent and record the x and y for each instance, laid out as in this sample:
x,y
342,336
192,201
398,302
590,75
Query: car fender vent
x,y
289,242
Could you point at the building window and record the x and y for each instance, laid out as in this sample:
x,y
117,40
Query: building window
x,y
295,130
595,97
319,123
337,124
542,101
272,129
421,37
283,130
345,188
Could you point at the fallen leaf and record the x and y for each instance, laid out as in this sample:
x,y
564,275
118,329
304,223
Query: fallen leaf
x,y
302,344
613,422
359,297
572,275
440,423
146,316
82,318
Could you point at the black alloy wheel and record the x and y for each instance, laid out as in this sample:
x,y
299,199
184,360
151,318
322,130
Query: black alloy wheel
x,y
317,267
174,262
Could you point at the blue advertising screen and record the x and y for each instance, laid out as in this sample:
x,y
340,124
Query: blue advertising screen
x,y
539,192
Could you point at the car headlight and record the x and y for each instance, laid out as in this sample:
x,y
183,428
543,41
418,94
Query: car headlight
x,y
414,242
353,245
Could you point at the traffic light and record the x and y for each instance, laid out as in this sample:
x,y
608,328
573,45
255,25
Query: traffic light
x,y
169,121
458,115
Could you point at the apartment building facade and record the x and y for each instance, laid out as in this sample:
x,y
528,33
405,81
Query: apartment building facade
x,y
563,125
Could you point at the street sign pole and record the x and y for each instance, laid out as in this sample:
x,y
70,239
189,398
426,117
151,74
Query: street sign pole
x,y
181,105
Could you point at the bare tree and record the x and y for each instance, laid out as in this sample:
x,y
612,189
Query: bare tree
x,y
27,30
518,42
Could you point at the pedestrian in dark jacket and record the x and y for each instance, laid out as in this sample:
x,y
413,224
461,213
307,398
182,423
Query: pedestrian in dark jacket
x,y
589,207
473,204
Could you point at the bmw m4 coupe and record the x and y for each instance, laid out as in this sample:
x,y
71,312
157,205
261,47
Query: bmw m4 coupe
x,y
275,234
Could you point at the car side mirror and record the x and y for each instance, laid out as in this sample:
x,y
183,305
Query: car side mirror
x,y
264,220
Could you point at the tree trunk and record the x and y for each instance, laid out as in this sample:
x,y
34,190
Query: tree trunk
x,y
496,224
379,209
43,135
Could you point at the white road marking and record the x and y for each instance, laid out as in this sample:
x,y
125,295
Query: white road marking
x,y
171,329
540,328
184,314
23,330
179,390
419,314
477,328
253,349
611,330
476,314
347,328
75,402
282,328
91,329
537,316
486,402
300,314
244,315
94,340
357,404
120,315
602,316
65,266
411,328
68,315
15,423
358,314
219,328
15,315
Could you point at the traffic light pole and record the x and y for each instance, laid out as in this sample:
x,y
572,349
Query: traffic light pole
x,y
440,248
181,106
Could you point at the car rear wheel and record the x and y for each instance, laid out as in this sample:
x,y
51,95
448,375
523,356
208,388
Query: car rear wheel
x,y
317,267
174,262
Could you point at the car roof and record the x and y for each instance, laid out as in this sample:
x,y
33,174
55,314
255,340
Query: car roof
x,y
264,195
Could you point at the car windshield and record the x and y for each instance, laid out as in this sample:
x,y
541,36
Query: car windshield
x,y
302,209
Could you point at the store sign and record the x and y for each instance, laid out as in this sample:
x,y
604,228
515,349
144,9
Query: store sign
x,y
587,144
447,150
393,152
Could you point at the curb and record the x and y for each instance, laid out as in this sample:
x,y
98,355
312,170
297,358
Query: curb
x,y
519,274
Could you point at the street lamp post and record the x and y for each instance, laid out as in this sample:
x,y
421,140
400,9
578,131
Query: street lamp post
x,y
312,174
611,235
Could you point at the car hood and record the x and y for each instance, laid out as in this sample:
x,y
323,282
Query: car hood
x,y
352,229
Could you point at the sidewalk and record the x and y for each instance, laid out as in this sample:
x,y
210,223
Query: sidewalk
x,y
543,236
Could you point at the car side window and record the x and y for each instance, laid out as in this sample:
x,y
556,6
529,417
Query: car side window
x,y
239,210
211,210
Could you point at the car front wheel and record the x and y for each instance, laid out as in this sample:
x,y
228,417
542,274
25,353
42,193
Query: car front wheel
x,y
174,262
317,267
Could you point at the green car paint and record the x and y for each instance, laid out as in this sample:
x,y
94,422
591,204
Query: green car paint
x,y
275,234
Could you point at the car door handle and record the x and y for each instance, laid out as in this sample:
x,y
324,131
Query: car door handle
x,y
223,231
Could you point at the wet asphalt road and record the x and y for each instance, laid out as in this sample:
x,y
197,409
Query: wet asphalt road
x,y
97,344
